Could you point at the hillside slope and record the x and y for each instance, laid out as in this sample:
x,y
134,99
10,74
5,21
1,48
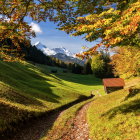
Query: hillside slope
x,y
116,116
29,90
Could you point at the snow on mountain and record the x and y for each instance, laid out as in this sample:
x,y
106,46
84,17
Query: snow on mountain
x,y
44,49
60,53
63,51
53,51
39,45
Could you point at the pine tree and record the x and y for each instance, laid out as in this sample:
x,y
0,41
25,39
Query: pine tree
x,y
87,67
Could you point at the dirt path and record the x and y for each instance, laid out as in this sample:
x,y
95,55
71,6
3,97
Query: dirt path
x,y
37,128
79,130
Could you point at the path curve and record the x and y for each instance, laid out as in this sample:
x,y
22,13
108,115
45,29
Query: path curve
x,y
37,128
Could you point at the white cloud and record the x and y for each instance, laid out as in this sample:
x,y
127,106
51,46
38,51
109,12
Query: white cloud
x,y
35,27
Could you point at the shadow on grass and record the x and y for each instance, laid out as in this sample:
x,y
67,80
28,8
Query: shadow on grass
x,y
16,97
132,93
133,106
27,81
37,127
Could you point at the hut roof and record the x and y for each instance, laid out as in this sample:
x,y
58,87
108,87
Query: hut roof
x,y
113,82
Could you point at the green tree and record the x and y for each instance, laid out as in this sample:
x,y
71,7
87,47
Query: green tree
x,y
101,66
77,69
87,67
97,65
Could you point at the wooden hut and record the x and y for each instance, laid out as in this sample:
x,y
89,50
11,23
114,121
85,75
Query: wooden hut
x,y
113,84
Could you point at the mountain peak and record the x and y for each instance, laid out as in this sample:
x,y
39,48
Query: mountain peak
x,y
62,50
53,51
37,43
59,52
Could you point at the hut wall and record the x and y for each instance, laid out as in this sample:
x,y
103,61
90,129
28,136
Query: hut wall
x,y
112,89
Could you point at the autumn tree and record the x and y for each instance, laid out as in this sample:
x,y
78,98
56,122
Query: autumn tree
x,y
116,23
13,25
126,62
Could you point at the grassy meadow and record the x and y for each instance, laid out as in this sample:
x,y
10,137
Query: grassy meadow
x,y
28,90
116,116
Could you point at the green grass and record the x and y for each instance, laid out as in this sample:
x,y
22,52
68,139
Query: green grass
x,y
116,116
27,90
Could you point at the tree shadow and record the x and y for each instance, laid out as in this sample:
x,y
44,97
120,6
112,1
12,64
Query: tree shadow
x,y
133,106
16,97
27,82
36,128
132,92
74,78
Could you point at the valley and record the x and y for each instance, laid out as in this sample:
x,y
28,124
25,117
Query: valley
x,y
30,91
69,70
36,104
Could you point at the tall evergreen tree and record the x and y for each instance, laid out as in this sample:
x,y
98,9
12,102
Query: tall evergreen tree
x,y
87,67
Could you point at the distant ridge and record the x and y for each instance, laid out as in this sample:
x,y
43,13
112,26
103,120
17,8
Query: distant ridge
x,y
61,53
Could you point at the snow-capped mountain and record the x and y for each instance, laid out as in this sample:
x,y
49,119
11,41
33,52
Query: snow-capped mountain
x,y
44,49
53,51
63,51
60,53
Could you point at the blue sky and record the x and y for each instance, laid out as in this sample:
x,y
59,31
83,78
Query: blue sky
x,y
48,35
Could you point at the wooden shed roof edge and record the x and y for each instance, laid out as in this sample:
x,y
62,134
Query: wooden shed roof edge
x,y
113,82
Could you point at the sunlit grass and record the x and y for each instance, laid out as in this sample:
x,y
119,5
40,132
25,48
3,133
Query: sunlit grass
x,y
116,116
30,90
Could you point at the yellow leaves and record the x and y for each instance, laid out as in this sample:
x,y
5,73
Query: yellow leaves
x,y
128,56
107,32
115,40
89,35
113,26
84,47
94,24
15,17
91,17
110,11
80,18
107,21
2,27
